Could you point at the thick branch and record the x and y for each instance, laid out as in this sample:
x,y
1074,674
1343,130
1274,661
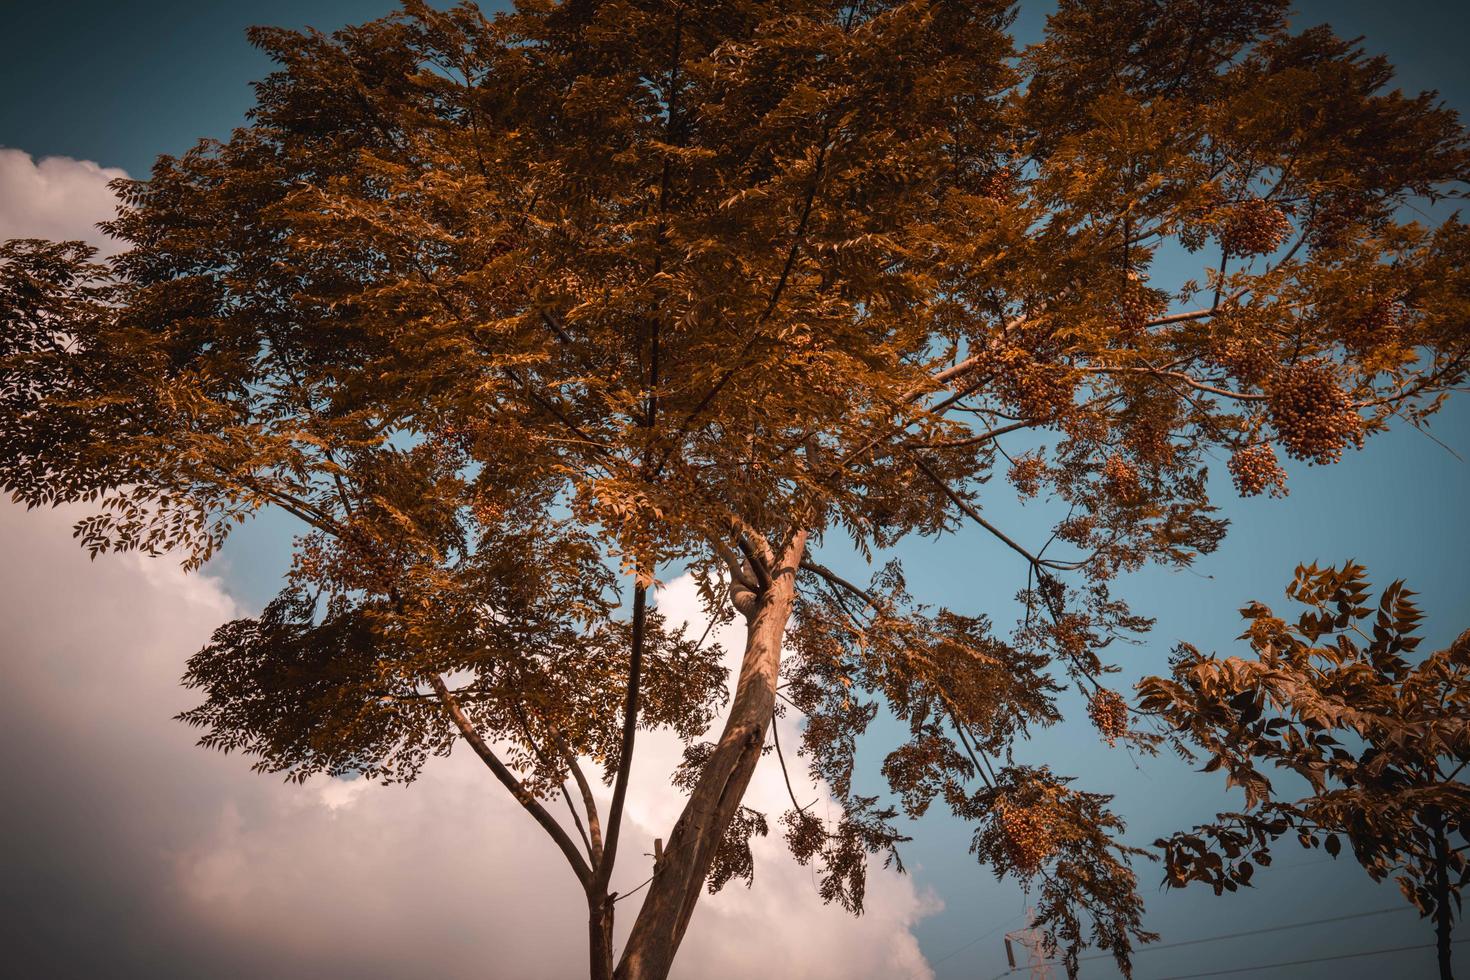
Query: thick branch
x,y
630,728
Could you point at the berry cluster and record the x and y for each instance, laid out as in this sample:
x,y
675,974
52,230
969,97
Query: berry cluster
x,y
1137,306
1254,469
460,437
487,512
1025,379
1028,839
998,184
1072,633
1149,433
1121,478
1041,393
1253,227
1085,426
1248,362
1378,324
1313,416
1109,713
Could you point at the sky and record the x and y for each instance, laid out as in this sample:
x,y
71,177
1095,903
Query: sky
x,y
132,853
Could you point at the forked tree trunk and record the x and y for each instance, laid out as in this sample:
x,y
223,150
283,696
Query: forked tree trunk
x,y
680,876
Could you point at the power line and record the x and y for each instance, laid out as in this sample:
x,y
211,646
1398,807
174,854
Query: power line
x,y
1314,959
1255,932
955,952
1223,936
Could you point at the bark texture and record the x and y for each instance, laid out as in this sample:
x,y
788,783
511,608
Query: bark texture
x,y
680,876
599,936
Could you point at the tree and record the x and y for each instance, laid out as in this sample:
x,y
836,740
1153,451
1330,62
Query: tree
x,y
518,314
1380,741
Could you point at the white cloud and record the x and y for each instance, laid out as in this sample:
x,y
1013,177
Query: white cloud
x,y
57,198
217,864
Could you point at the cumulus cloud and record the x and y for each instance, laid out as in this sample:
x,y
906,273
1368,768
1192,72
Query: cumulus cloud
x,y
142,855
56,197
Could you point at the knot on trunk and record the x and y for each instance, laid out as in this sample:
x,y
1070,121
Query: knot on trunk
x,y
743,598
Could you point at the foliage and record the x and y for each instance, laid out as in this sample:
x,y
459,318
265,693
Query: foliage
x,y
517,314
1336,699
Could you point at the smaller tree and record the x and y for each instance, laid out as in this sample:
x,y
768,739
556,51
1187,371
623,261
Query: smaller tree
x,y
1332,697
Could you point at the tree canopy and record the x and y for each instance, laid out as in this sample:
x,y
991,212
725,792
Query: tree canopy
x,y
519,314
1380,741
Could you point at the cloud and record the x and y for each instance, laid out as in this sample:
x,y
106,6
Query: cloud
x,y
131,852
57,198
143,855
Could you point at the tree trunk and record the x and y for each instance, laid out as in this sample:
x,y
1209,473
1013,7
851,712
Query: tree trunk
x,y
599,936
680,876
1442,896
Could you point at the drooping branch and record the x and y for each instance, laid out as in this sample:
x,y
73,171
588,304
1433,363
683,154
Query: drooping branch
x,y
786,775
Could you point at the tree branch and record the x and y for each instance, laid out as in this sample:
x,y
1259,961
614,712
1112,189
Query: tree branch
x,y
974,515
797,240
1177,376
840,582
776,739
630,727
545,761
508,779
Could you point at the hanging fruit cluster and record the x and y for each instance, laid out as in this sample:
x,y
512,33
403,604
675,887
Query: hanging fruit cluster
x,y
1027,838
1138,304
1253,227
999,183
1313,416
1109,714
1247,361
1121,478
1254,469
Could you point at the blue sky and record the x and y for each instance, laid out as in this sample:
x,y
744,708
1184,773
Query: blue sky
x,y
120,83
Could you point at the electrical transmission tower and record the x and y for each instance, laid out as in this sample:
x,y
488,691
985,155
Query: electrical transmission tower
x,y
1032,942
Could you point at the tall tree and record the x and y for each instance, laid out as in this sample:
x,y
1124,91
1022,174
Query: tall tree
x,y
1380,741
517,314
